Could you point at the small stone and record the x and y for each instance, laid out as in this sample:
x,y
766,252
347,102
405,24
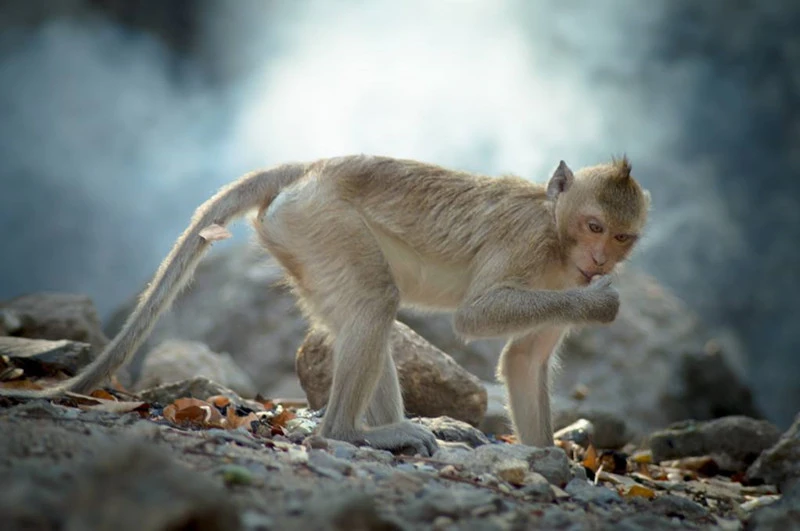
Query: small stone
x,y
584,491
452,430
440,522
551,462
513,471
580,432
734,442
779,464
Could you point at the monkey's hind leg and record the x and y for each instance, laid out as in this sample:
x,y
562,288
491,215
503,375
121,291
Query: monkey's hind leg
x,y
345,284
385,408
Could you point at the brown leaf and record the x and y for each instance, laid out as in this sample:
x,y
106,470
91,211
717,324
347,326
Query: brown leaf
x,y
640,491
169,413
102,393
510,439
21,384
219,401
282,418
590,461
193,414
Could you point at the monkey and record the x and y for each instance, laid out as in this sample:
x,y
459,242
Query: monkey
x,y
360,236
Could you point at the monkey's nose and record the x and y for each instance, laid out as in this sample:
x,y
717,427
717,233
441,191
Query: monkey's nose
x,y
599,261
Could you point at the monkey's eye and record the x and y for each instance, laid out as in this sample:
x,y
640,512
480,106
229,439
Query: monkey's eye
x,y
595,227
622,238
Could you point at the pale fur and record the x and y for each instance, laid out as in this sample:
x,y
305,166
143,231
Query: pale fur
x,y
359,236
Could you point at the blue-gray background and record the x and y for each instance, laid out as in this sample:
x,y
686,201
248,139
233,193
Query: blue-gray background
x,y
118,117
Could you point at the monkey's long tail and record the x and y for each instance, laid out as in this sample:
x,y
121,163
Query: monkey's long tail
x,y
253,190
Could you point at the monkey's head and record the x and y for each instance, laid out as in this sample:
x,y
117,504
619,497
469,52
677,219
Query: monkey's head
x,y
600,212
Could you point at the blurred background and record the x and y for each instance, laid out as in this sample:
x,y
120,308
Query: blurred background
x,y
118,117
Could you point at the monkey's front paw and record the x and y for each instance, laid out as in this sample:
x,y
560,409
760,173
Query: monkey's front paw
x,y
604,300
395,437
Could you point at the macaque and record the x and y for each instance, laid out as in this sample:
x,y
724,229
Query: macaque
x,y
361,236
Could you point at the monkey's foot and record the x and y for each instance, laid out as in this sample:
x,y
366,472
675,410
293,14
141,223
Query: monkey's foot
x,y
401,435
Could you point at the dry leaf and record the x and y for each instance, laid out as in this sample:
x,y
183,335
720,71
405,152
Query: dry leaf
x,y
590,461
214,233
510,439
102,393
282,418
642,456
194,414
640,491
220,401
21,384
169,413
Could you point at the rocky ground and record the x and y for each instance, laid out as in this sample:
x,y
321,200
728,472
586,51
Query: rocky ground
x,y
194,439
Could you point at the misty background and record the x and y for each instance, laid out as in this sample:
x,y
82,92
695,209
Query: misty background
x,y
118,117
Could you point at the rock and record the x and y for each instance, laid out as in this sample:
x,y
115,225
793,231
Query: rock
x,y
580,432
478,357
495,420
433,383
57,316
783,514
677,506
448,429
10,323
199,387
654,365
734,442
234,304
43,356
550,462
585,492
608,430
141,488
780,464
176,360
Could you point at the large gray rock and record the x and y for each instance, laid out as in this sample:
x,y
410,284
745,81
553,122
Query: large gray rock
x,y
780,464
55,316
36,355
234,304
654,365
433,384
734,441
176,360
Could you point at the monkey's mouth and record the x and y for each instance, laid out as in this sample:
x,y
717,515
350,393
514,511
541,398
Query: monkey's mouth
x,y
587,276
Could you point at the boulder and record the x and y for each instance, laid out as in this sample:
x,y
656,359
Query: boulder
x,y
54,316
236,304
43,356
780,464
734,442
433,384
176,360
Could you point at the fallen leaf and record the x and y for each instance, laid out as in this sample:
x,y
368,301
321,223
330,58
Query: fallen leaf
x,y
282,418
194,414
510,439
643,456
590,461
220,401
21,384
640,491
102,393
169,413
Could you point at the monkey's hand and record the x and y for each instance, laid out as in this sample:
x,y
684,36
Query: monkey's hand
x,y
399,435
601,300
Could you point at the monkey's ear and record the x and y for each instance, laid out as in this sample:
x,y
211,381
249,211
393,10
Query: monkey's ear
x,y
560,181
